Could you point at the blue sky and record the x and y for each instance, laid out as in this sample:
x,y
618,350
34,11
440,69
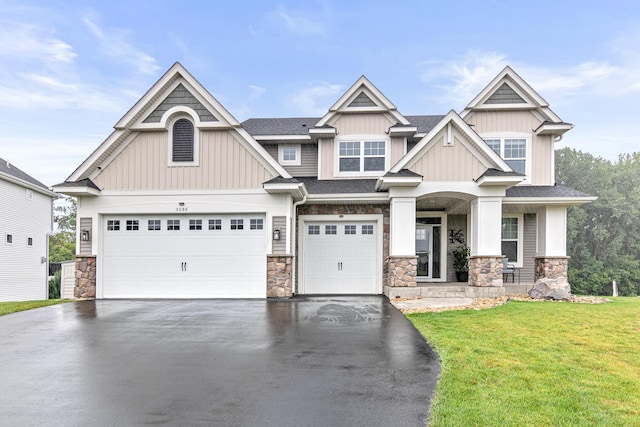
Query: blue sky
x,y
70,69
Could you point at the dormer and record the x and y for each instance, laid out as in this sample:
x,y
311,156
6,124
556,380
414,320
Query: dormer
x,y
517,123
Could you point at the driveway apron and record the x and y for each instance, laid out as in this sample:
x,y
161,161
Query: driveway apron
x,y
325,361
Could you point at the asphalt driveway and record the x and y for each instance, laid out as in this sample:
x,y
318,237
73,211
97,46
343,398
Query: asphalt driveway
x,y
330,361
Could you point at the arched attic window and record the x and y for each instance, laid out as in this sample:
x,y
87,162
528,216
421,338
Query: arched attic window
x,y
183,141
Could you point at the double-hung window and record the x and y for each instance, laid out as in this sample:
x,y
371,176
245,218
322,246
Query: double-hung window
x,y
512,150
361,156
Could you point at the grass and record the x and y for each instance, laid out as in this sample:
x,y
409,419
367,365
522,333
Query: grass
x,y
12,307
537,364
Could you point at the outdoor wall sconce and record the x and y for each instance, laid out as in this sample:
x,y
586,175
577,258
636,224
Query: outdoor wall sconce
x,y
276,234
85,235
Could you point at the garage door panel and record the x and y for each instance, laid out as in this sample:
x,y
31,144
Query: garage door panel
x,y
184,263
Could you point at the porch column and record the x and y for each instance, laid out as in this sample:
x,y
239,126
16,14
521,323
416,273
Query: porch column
x,y
485,263
402,263
551,260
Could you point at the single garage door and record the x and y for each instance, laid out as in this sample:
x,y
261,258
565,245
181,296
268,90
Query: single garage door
x,y
200,256
341,258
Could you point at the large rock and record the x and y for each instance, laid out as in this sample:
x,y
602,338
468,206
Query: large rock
x,y
557,289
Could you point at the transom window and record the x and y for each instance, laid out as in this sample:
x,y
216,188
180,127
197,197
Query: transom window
x,y
256,224
113,225
237,224
512,150
133,225
361,156
153,225
215,224
195,224
349,229
173,224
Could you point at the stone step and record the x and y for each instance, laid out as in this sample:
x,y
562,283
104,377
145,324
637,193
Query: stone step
x,y
443,292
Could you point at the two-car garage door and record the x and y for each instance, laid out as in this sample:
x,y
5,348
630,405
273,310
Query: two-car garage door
x,y
182,256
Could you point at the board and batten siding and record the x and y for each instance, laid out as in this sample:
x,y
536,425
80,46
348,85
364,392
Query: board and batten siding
x,y
23,274
450,163
542,148
397,150
308,159
224,164
362,124
280,246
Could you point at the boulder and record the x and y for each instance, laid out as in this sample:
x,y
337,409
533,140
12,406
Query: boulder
x,y
557,289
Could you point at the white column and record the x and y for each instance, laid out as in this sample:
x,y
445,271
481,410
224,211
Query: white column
x,y
486,226
552,231
402,226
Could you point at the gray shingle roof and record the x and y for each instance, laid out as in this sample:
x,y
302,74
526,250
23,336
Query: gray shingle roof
x,y
424,123
82,183
544,191
11,170
403,172
339,186
496,172
281,180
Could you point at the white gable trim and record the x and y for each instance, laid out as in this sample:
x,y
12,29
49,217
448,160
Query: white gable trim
x,y
479,148
362,85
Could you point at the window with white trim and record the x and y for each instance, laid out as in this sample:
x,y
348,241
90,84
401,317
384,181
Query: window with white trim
x,y
256,224
363,156
215,224
133,225
289,154
237,224
113,225
153,225
195,224
512,150
173,224
512,238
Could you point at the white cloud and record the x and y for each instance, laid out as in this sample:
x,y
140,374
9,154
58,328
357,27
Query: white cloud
x,y
116,45
256,92
298,24
315,99
27,41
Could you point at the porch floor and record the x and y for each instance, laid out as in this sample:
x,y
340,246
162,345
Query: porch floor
x,y
456,290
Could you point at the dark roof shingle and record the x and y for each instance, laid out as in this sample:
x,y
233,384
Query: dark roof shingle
x,y
339,186
11,170
544,191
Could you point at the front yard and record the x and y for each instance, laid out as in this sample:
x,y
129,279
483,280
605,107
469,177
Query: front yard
x,y
12,307
537,363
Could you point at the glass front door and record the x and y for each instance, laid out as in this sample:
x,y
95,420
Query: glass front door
x,y
428,248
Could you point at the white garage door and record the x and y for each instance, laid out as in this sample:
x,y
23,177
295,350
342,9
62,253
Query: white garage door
x,y
341,258
200,256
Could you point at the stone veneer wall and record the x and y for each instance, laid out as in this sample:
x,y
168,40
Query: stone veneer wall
x,y
401,271
485,271
279,276
85,286
550,267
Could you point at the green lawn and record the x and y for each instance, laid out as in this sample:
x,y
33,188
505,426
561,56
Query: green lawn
x,y
537,364
12,307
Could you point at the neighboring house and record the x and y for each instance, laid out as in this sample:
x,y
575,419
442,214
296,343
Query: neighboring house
x,y
26,219
182,200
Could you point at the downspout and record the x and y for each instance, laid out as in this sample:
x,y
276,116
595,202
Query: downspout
x,y
294,239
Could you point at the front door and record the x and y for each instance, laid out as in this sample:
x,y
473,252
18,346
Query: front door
x,y
428,236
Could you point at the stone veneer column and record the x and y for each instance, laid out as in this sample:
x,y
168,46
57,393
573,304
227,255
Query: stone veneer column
x,y
485,271
85,286
279,276
401,271
550,267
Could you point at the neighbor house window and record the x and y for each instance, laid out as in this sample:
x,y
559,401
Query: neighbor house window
x,y
512,235
215,224
289,154
237,224
9,239
512,150
113,225
132,225
256,224
153,225
173,224
29,241
361,156
195,224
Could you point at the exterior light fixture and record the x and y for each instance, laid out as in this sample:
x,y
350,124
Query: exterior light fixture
x,y
276,234
85,235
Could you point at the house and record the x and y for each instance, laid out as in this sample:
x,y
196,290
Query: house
x,y
26,219
184,201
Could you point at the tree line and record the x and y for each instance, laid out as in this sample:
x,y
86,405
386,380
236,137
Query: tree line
x,y
603,237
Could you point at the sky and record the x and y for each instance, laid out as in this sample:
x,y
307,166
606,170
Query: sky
x,y
69,70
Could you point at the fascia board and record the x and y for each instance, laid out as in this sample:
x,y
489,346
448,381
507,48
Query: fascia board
x,y
509,181
26,184
348,196
282,137
276,168
76,191
565,201
89,161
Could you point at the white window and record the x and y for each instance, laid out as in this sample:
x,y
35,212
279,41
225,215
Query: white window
x,y
349,229
513,151
289,154
512,238
367,157
195,224
173,224
113,225
237,224
314,229
256,224
153,224
215,224
132,225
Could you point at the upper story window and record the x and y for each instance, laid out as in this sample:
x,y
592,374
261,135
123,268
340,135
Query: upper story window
x,y
289,154
513,151
183,142
365,156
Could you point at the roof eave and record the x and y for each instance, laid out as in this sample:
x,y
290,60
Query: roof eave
x,y
28,185
77,191
553,129
385,182
297,190
563,201
492,181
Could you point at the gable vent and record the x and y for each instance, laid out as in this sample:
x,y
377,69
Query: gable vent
x,y
505,95
182,141
362,100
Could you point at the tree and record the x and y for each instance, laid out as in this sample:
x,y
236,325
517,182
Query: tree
x,y
603,236
62,244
